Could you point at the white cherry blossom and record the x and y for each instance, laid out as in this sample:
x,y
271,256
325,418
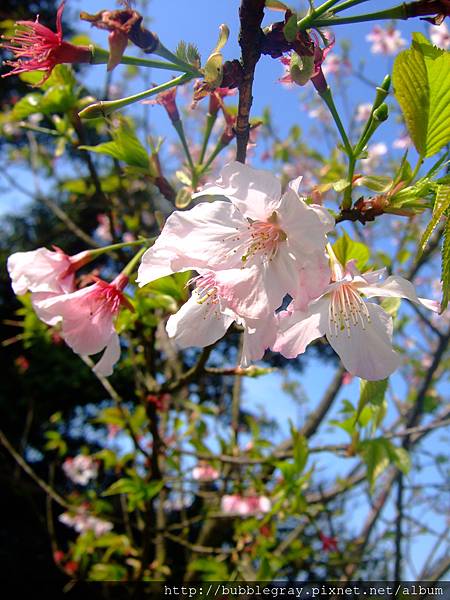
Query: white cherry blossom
x,y
254,226
360,332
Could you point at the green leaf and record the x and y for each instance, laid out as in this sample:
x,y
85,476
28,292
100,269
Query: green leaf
x,y
370,393
347,249
125,146
441,204
421,78
373,453
376,183
26,106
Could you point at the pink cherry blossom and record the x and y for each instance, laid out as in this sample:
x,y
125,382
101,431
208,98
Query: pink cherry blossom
x,y
245,506
375,154
385,41
88,317
258,227
359,332
83,522
402,142
80,469
205,472
363,112
336,65
44,270
440,35
38,48
211,309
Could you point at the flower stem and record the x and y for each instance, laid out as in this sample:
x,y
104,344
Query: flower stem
x,y
219,147
113,247
129,268
178,125
347,4
317,12
210,120
397,12
106,107
328,98
101,57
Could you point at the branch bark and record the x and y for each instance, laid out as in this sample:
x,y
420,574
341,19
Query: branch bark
x,y
251,13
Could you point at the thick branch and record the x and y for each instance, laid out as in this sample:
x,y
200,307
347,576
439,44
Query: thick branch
x,y
251,13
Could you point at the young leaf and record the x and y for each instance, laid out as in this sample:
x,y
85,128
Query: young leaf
x,y
347,249
441,204
421,78
376,459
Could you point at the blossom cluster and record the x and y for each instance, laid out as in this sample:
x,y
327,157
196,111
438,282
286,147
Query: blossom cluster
x,y
83,522
263,261
86,315
256,248
80,469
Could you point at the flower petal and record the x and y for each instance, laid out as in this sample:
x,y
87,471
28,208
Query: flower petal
x,y
368,352
255,192
305,225
259,335
40,270
298,329
111,355
396,287
198,324
313,280
204,236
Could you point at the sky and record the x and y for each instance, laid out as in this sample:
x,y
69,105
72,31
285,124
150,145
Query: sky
x,y
198,21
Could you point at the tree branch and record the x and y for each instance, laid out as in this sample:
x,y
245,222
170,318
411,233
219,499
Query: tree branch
x,y
251,13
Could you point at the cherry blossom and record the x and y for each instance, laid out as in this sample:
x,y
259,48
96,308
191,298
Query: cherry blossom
x,y
363,112
88,317
385,41
38,48
207,315
359,332
440,35
44,270
83,522
258,227
402,142
245,506
204,472
80,469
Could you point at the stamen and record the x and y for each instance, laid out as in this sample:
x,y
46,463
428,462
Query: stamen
x,y
347,310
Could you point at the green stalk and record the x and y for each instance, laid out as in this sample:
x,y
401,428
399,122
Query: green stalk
x,y
347,199
347,4
128,270
317,12
106,107
113,247
101,57
210,120
219,147
397,12
178,125
328,98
